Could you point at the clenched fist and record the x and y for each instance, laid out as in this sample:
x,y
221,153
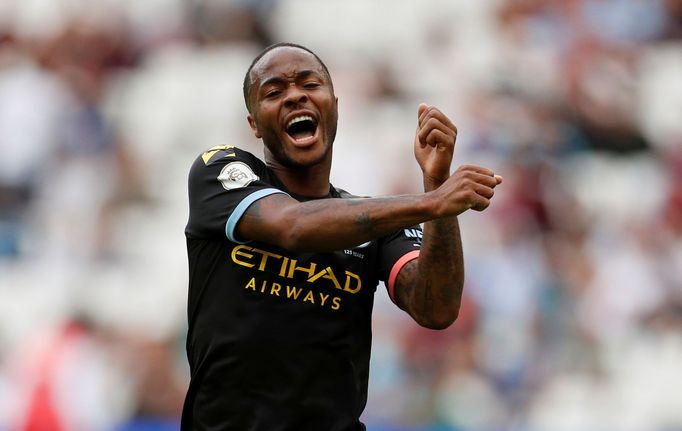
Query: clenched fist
x,y
470,187
434,144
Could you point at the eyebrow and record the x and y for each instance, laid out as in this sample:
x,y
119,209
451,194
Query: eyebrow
x,y
279,80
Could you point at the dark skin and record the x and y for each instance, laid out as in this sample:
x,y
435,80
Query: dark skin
x,y
284,87
288,82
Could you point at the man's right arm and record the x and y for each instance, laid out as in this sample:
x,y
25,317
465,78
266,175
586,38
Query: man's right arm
x,y
334,224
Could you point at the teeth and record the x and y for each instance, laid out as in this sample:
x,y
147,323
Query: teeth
x,y
299,119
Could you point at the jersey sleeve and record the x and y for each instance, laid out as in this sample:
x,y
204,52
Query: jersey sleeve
x,y
395,251
223,182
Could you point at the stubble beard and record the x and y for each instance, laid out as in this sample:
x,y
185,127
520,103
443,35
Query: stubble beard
x,y
279,154
282,158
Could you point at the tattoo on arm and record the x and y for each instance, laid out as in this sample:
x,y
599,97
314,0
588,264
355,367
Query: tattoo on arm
x,y
443,261
311,225
432,285
405,282
428,297
364,222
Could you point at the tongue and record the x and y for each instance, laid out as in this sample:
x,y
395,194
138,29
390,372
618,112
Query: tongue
x,y
301,134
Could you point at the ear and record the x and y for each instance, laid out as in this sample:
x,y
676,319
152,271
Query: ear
x,y
254,127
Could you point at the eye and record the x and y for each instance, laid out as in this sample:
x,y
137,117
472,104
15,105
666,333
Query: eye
x,y
272,94
311,84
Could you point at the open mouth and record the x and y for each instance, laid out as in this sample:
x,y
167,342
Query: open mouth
x,y
302,128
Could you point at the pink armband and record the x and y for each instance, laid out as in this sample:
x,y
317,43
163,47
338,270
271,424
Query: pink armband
x,y
396,269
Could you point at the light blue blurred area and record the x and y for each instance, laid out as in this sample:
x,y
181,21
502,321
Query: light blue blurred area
x,y
150,424
373,427
572,313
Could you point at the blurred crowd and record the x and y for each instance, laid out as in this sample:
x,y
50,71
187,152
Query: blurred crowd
x,y
572,315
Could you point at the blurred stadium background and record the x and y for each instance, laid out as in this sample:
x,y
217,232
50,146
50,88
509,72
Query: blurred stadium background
x,y
572,317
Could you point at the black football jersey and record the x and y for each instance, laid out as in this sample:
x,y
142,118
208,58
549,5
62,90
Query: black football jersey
x,y
277,340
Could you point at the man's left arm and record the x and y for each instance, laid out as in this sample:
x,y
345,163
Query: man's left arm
x,y
430,287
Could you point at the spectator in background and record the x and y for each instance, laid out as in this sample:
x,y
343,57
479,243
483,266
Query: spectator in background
x,y
31,109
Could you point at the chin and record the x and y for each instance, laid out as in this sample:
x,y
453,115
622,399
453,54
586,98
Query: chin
x,y
283,151
307,160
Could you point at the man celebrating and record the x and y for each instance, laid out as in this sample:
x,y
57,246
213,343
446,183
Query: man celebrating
x,y
284,266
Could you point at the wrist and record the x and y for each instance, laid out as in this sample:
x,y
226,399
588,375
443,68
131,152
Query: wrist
x,y
431,205
432,183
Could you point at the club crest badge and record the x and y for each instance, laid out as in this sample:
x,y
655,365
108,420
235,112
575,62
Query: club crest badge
x,y
236,175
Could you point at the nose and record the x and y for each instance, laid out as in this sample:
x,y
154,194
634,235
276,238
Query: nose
x,y
294,96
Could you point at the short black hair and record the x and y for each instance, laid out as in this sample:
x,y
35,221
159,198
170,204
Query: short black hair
x,y
247,78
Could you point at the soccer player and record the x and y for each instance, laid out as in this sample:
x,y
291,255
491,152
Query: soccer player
x,y
284,266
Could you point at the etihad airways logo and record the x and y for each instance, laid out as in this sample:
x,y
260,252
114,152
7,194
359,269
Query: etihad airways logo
x,y
265,261
311,273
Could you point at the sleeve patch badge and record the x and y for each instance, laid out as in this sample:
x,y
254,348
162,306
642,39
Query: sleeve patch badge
x,y
236,175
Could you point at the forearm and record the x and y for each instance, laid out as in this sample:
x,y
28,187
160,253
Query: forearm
x,y
332,224
438,293
431,289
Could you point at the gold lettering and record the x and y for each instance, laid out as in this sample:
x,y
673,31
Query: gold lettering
x,y
315,277
251,284
282,270
309,297
211,152
358,285
293,291
237,251
293,267
329,275
323,298
246,256
264,259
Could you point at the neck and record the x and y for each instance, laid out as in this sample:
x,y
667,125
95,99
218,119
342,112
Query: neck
x,y
311,181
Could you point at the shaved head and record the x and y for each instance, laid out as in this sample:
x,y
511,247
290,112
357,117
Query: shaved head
x,y
248,82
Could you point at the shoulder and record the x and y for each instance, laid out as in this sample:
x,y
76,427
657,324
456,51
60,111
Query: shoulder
x,y
223,154
215,159
231,166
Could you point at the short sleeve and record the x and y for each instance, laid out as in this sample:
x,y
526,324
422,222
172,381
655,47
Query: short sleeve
x,y
395,251
223,182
